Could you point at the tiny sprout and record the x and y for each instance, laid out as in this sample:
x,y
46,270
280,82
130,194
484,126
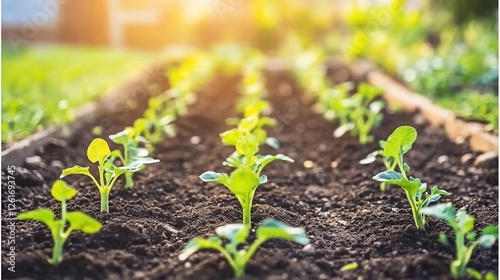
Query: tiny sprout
x,y
98,152
463,226
397,144
77,221
237,234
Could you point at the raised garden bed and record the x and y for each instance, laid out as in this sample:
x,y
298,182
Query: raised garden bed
x,y
342,209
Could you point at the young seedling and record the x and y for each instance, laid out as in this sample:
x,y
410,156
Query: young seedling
x,y
130,138
463,226
237,234
98,152
157,120
363,113
389,162
77,221
398,143
247,177
251,124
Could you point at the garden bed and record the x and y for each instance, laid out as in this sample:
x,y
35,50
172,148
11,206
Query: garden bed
x,y
342,209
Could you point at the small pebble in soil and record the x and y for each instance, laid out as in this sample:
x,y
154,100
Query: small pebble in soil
x,y
488,160
195,140
308,248
461,173
443,159
322,147
299,174
327,205
57,164
187,265
377,244
334,164
308,164
342,222
419,119
35,161
467,159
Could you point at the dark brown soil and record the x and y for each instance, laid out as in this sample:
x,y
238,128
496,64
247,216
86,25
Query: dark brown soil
x,y
346,216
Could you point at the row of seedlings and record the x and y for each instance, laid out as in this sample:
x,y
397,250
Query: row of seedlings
x,y
246,137
392,151
357,113
136,142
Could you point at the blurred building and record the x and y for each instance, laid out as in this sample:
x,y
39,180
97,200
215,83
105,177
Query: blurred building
x,y
115,23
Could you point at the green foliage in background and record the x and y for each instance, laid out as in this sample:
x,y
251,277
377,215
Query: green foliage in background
x,y
42,86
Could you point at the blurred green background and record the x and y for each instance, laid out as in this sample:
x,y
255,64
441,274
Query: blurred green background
x,y
58,55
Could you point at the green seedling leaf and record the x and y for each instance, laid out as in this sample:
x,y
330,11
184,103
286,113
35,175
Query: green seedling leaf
x,y
247,146
139,161
396,178
198,244
266,121
262,179
465,221
474,274
98,151
140,125
350,266
444,212
341,130
132,167
273,142
400,141
265,160
490,276
376,106
234,160
45,216
141,152
406,167
232,121
488,237
248,124
261,134
84,223
256,108
62,191
121,137
231,137
236,233
371,157
272,228
471,236
170,130
75,170
443,239
243,181
210,176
